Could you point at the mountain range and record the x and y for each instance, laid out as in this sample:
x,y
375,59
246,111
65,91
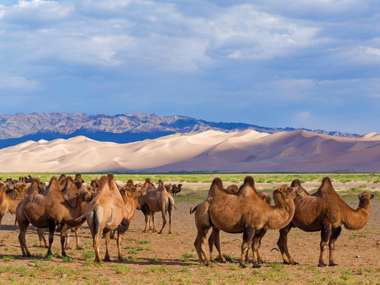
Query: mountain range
x,y
120,128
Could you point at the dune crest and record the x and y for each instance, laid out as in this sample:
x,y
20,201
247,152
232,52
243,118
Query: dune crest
x,y
209,150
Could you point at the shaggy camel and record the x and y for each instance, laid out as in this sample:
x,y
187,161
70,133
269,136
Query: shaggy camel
x,y
324,211
60,207
247,213
109,210
157,201
203,224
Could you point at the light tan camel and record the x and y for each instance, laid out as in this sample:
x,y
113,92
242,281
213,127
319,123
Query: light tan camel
x,y
327,212
157,201
248,212
108,211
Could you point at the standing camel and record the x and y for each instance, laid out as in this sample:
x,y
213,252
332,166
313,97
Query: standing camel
x,y
109,210
247,213
157,201
324,211
203,224
60,207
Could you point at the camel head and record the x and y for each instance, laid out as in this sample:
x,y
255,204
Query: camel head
x,y
365,199
78,180
284,195
70,192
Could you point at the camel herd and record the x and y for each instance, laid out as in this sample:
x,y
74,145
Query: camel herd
x,y
244,210
64,204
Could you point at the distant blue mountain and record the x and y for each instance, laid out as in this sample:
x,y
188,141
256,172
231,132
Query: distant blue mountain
x,y
120,128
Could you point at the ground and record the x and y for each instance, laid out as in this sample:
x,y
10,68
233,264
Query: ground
x,y
150,258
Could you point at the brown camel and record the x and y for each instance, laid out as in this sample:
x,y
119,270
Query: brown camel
x,y
203,224
327,212
109,210
157,201
247,213
10,197
61,207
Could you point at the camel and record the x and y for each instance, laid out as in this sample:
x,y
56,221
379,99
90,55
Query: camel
x,y
203,224
157,201
247,213
327,212
60,208
10,197
109,210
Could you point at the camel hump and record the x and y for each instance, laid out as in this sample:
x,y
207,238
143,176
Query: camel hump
x,y
216,182
248,180
326,186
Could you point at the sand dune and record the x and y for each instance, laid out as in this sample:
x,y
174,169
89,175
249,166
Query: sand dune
x,y
204,151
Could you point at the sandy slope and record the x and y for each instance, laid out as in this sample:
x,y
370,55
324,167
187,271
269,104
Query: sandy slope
x,y
209,150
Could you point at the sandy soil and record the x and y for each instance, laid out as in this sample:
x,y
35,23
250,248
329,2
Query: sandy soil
x,y
170,259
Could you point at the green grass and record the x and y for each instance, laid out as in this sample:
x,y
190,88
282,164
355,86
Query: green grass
x,y
230,177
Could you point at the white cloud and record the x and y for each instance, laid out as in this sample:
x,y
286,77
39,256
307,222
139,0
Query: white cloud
x,y
152,33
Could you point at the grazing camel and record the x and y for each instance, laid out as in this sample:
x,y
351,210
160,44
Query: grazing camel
x,y
60,207
327,212
109,210
157,201
247,213
203,224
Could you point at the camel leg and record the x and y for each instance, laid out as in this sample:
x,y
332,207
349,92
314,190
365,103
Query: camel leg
x,y
95,239
283,246
51,238
334,236
23,226
257,244
211,241
163,221
152,220
41,238
247,240
325,237
170,220
1,217
64,236
216,239
77,241
198,244
146,216
107,239
118,241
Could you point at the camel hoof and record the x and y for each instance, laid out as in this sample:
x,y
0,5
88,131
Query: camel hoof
x,y
332,264
242,265
321,264
107,259
256,265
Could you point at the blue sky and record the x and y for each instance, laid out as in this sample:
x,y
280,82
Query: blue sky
x,y
313,64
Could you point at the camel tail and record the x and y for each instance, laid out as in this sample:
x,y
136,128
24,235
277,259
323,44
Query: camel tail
x,y
193,209
95,221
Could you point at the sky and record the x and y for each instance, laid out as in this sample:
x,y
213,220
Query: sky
x,y
275,63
